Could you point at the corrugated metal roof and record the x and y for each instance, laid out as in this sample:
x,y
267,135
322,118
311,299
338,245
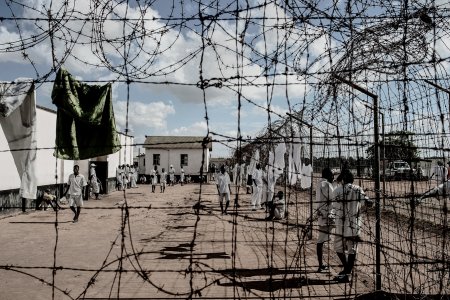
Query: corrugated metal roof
x,y
175,142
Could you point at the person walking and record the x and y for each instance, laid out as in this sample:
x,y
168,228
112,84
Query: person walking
x,y
132,177
75,188
224,189
182,176
154,176
93,181
349,199
242,176
257,187
119,178
307,173
125,177
249,182
325,213
163,180
171,175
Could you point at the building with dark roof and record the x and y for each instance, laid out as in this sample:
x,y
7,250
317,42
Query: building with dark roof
x,y
192,153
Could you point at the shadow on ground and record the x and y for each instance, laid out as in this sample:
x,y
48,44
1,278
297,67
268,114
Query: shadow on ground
x,y
272,285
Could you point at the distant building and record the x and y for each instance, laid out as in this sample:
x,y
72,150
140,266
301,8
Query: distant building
x,y
218,161
190,152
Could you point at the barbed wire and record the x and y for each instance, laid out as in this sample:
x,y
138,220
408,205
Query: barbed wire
x,y
393,49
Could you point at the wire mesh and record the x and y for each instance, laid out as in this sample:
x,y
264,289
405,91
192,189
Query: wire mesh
x,y
265,56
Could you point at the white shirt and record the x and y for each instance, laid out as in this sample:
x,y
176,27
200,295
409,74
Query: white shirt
x,y
440,190
257,176
163,177
171,172
223,180
280,207
349,199
324,204
76,184
154,177
92,171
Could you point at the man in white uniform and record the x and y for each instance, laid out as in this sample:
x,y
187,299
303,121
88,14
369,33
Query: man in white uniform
x,y
171,175
132,177
257,187
242,175
224,189
93,181
75,189
119,178
277,207
182,176
442,190
349,199
154,176
163,180
306,178
324,212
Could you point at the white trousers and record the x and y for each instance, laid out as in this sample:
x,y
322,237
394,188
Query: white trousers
x,y
256,196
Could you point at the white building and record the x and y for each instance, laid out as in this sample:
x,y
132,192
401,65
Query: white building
x,y
190,152
49,169
53,172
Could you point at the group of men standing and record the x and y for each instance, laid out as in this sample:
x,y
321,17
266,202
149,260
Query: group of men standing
x,y
339,206
167,178
126,177
262,192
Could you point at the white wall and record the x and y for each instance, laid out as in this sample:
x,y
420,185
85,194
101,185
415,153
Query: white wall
x,y
173,157
49,170
121,157
141,164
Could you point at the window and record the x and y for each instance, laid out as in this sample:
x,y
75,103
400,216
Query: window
x,y
184,159
156,159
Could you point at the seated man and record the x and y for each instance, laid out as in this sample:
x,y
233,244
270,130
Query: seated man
x,y
277,207
442,189
50,199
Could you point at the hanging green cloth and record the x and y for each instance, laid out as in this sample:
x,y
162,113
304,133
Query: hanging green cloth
x,y
85,124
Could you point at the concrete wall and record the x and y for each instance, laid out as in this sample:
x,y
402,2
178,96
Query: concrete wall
x,y
49,170
141,164
122,157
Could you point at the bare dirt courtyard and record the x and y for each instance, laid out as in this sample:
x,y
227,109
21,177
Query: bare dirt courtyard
x,y
143,245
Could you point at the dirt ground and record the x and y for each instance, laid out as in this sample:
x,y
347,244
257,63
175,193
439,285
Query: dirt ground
x,y
142,245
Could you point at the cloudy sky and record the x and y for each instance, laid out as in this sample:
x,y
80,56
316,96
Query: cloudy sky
x,y
164,57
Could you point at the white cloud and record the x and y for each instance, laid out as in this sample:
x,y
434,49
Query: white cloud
x,y
143,118
167,55
195,129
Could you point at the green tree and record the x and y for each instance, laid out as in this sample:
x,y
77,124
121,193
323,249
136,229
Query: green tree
x,y
397,145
